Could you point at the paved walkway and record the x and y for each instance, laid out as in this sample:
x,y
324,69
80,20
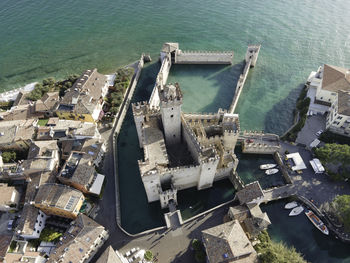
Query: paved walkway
x,y
312,125
317,187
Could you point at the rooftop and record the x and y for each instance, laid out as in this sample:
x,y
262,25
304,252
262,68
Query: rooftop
x,y
77,241
228,243
28,219
42,149
170,92
250,193
85,93
79,169
58,195
6,194
335,78
109,256
48,102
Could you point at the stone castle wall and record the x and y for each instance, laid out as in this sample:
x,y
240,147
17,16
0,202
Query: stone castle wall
x,y
203,57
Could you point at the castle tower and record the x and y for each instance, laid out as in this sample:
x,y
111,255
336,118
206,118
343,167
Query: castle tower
x,y
170,107
139,111
252,54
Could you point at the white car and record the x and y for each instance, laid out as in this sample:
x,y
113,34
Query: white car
x,y
319,133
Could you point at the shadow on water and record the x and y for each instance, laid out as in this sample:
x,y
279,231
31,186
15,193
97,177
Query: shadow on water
x,y
136,213
206,88
226,80
280,117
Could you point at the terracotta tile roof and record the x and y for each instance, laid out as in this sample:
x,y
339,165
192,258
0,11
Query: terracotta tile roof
x,y
5,241
344,102
77,241
228,243
335,78
58,195
109,256
27,221
250,192
85,93
48,102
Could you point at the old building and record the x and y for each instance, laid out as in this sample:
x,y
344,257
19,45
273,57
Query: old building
x,y
80,242
111,256
58,199
84,100
183,150
9,197
32,220
80,173
47,104
329,91
17,135
31,223
228,243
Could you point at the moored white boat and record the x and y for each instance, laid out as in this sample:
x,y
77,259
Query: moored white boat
x,y
267,166
317,222
271,171
296,211
291,205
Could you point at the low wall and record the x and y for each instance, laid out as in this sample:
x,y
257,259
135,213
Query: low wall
x,y
239,87
284,170
117,124
161,80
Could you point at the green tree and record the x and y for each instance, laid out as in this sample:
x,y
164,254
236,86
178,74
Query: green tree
x,y
49,235
342,209
272,252
9,157
148,255
336,159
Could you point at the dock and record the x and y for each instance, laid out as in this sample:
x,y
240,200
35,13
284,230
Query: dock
x,y
250,61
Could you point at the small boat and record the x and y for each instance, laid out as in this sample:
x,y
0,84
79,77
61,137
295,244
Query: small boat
x,y
271,171
267,166
291,205
296,211
317,222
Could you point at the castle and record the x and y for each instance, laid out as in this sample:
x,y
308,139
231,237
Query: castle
x,y
183,150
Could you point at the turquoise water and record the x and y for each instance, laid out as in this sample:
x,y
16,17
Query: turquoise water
x,y
39,39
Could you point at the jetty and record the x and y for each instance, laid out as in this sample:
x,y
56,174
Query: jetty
x,y
250,60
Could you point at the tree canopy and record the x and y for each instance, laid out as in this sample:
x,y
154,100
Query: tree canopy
x,y
336,159
272,252
342,209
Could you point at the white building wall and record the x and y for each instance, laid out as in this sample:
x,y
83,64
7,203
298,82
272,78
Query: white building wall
x,y
151,183
171,119
207,174
138,123
185,177
38,227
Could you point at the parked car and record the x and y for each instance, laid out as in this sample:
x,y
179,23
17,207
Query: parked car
x,y
10,225
319,133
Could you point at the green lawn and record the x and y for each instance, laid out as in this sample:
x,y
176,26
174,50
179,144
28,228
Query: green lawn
x,y
43,122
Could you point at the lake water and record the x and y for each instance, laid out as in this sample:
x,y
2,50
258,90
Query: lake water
x,y
39,39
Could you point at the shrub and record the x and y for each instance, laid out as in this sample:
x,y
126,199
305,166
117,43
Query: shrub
x,y
9,157
49,235
148,255
272,252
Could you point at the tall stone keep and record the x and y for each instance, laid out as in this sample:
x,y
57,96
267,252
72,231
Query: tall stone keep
x,y
170,106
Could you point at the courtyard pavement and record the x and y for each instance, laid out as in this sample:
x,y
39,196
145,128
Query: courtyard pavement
x,y
318,187
312,125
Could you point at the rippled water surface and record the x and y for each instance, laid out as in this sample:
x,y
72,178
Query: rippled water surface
x,y
41,38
